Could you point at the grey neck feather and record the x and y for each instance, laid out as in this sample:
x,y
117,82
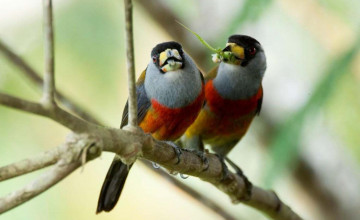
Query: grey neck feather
x,y
236,82
173,89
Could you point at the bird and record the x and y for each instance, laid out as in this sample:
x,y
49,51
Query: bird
x,y
233,97
170,95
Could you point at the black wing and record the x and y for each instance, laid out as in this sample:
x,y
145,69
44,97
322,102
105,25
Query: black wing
x,y
143,103
118,172
259,104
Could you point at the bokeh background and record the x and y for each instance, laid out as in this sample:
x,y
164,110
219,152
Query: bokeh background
x,y
304,145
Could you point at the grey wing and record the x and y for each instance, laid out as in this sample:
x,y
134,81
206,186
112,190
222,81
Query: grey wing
x,y
143,105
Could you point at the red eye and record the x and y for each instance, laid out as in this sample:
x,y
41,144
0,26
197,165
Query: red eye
x,y
154,59
252,51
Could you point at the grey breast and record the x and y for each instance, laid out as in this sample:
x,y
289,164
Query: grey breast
x,y
236,82
174,89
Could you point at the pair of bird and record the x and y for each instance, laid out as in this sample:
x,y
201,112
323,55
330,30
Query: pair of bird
x,y
175,101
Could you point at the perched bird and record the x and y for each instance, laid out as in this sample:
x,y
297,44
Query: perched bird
x,y
170,94
233,94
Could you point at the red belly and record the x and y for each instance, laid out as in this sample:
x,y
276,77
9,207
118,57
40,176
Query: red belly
x,y
170,123
224,119
230,108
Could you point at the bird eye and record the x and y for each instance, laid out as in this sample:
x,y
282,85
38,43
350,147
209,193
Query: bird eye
x,y
154,59
252,51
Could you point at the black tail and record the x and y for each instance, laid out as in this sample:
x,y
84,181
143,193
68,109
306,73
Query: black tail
x,y
113,185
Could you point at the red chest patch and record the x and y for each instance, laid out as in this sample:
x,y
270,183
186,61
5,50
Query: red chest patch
x,y
170,123
227,107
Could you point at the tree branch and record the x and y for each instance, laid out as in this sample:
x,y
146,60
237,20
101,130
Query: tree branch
x,y
23,105
28,165
67,158
57,114
49,81
21,64
35,78
132,116
47,180
127,144
189,163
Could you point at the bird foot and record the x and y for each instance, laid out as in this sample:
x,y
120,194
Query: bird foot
x,y
201,155
177,150
204,159
225,170
240,173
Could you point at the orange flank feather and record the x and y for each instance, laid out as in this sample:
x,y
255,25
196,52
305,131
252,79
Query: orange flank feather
x,y
170,123
224,119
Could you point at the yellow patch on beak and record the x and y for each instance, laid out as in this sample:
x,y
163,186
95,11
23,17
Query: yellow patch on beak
x,y
163,57
237,50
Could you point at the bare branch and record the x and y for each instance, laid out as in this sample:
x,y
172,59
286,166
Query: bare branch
x,y
37,162
190,163
127,144
47,180
21,64
49,81
23,105
35,78
28,165
57,114
68,159
122,142
132,121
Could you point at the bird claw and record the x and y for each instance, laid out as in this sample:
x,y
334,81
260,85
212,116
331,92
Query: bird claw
x,y
240,173
248,186
183,176
155,165
177,151
225,170
204,159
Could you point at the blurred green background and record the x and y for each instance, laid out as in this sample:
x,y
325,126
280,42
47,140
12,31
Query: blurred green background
x,y
304,145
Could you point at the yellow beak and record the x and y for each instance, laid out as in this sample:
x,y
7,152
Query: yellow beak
x,y
170,60
237,50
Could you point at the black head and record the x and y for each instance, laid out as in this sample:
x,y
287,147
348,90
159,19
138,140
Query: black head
x,y
243,47
168,56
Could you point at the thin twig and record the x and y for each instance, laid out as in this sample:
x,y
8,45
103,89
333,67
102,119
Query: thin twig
x,y
132,121
21,64
34,77
23,105
57,114
49,81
